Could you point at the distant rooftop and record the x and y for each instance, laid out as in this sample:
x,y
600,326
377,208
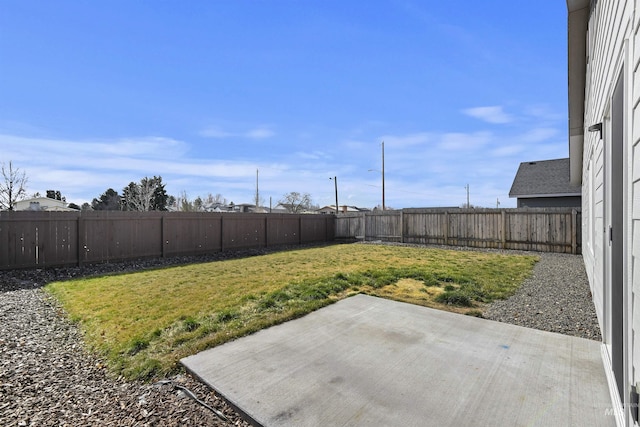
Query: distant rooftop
x,y
545,178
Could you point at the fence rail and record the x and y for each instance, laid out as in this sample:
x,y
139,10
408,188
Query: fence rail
x,y
543,230
46,239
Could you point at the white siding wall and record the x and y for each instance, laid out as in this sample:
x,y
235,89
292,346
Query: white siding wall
x,y
613,45
608,28
634,187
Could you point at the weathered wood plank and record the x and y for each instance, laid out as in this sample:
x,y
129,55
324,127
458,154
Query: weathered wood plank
x,y
548,230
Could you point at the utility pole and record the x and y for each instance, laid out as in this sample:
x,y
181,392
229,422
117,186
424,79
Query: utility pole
x,y
383,207
335,181
467,187
497,203
257,193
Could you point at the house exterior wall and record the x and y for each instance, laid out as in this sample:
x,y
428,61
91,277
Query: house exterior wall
x,y
633,154
612,49
41,203
550,202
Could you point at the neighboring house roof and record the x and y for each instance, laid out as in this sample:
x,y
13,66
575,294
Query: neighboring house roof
x,y
546,178
42,204
342,209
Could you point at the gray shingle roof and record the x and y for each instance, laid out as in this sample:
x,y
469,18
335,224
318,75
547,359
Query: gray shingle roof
x,y
543,178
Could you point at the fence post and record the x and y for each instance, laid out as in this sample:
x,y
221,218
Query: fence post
x,y
503,233
163,236
81,241
402,226
574,232
446,228
221,232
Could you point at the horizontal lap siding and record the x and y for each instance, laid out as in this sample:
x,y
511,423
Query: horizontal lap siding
x,y
634,152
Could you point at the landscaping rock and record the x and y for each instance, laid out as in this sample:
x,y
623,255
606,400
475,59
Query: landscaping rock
x,y
47,377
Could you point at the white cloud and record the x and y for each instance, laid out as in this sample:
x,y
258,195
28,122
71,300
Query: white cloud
x,y
507,150
218,133
543,112
312,155
65,150
400,141
491,114
82,170
464,141
214,132
538,134
259,133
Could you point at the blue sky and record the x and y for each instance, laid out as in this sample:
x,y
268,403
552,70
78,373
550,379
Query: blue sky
x,y
97,94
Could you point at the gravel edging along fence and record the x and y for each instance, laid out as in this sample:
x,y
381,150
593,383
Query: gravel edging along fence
x,y
48,379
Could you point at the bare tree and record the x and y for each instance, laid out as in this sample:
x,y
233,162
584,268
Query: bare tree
x,y
296,202
147,195
215,200
13,186
137,197
183,202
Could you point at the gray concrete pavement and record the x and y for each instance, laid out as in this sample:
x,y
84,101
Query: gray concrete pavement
x,y
367,361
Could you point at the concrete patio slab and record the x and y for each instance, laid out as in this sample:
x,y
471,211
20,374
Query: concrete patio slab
x,y
367,361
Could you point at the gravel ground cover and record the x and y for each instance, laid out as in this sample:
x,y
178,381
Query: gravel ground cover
x,y
48,379
556,298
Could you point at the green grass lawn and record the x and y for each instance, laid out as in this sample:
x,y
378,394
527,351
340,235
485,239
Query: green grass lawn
x,y
143,323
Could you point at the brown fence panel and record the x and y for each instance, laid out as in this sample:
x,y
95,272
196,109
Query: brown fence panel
x,y
57,240
547,230
191,233
242,231
45,239
114,236
316,228
37,239
283,229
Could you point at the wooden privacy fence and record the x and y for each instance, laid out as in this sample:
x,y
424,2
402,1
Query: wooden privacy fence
x,y
531,229
45,239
